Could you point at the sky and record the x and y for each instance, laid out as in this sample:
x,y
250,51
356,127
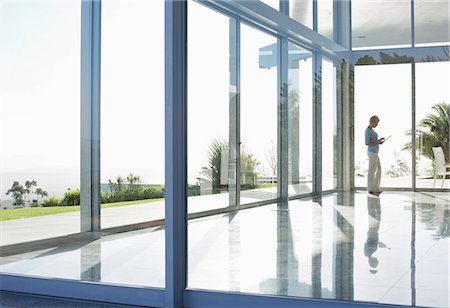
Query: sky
x,y
40,90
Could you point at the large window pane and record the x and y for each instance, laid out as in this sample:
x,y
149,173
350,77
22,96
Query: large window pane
x,y
300,121
302,11
132,112
381,23
325,18
40,120
209,105
259,99
273,3
431,21
385,91
132,143
329,154
432,121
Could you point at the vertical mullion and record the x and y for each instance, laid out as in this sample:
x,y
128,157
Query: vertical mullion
x,y
234,177
283,96
175,151
315,16
317,111
413,25
413,124
413,101
317,122
351,126
337,21
339,118
284,7
283,113
90,115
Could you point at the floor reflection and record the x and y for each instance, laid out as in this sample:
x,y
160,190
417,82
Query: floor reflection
x,y
351,246
373,239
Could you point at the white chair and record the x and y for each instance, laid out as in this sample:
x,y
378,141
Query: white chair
x,y
440,168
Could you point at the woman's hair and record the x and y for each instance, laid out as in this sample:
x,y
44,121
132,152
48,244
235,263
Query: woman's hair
x,y
373,118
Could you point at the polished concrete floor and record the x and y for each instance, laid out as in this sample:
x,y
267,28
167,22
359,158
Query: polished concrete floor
x,y
390,249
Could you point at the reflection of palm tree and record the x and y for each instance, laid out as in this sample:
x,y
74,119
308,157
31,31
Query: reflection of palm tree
x,y
433,130
435,219
444,228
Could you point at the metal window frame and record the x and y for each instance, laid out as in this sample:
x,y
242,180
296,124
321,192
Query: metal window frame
x,y
90,115
92,291
234,118
282,115
90,184
317,122
175,294
415,55
175,151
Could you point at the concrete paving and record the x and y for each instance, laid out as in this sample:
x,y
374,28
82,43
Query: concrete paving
x,y
50,226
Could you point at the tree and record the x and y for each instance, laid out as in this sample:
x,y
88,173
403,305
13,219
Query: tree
x,y
366,60
271,156
249,165
41,193
29,189
212,172
21,194
401,168
432,131
117,185
133,181
18,192
386,58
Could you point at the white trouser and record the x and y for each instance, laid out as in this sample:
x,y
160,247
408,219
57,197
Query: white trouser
x,y
374,175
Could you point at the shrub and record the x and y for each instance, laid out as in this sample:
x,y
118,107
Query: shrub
x,y
151,192
71,197
105,197
53,201
193,190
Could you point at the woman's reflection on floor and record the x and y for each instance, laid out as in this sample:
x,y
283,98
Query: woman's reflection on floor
x,y
373,240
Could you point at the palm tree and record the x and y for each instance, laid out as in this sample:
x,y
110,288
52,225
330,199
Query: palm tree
x,y
432,131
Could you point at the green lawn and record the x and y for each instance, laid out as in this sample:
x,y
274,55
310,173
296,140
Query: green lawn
x,y
40,211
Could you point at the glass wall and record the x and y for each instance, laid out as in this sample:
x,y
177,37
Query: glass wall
x,y
302,11
431,21
372,20
325,18
132,112
385,91
329,126
300,127
273,3
327,247
132,144
432,121
40,120
209,106
258,115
